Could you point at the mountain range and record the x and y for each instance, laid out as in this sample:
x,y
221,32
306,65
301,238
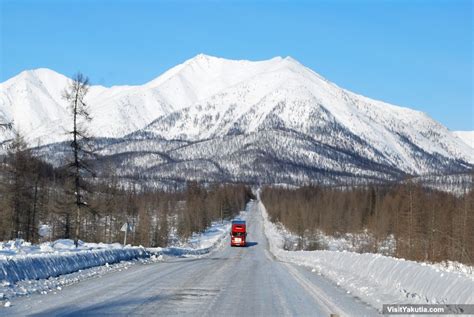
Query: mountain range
x,y
213,119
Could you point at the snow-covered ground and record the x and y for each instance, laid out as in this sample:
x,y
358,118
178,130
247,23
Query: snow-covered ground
x,y
200,243
354,242
55,284
379,279
247,278
20,247
48,267
27,268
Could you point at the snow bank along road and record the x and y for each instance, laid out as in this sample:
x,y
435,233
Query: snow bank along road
x,y
229,281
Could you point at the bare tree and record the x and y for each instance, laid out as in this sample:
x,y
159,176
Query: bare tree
x,y
6,126
75,95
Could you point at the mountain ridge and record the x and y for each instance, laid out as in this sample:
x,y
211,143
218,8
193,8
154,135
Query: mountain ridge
x,y
211,98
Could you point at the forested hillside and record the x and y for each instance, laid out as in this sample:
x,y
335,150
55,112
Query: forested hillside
x,y
35,195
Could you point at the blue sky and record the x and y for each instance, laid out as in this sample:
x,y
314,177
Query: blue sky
x,y
411,53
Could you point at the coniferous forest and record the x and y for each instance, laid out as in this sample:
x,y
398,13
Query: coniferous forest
x,y
425,224
33,193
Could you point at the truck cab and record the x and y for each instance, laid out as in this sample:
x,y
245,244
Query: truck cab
x,y
238,233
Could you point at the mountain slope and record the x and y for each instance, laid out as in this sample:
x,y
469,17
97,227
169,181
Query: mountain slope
x,y
289,96
211,118
32,99
466,136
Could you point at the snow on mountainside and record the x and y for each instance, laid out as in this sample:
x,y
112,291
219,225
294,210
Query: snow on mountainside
x,y
466,136
33,99
229,119
286,95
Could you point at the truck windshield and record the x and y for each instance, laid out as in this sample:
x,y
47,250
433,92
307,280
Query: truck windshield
x,y
238,234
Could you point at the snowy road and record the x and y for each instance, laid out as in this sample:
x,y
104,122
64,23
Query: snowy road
x,y
230,281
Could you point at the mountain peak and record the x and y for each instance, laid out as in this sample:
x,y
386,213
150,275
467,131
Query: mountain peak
x,y
203,58
40,73
291,59
216,73
37,75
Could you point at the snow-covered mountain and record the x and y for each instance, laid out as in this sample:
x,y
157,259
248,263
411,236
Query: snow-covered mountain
x,y
217,118
33,99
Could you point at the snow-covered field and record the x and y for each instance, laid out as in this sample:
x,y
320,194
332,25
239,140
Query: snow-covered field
x,y
379,279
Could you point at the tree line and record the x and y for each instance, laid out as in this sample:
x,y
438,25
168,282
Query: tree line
x,y
426,224
33,193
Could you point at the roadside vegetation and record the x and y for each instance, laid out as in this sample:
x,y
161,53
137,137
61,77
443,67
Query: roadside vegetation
x,y
423,224
79,201
35,195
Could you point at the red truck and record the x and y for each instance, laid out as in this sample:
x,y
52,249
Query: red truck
x,y
238,233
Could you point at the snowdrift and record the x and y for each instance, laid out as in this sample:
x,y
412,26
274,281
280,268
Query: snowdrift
x,y
204,242
379,279
25,262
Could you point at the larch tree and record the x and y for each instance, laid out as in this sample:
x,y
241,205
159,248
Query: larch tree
x,y
75,95
4,216
19,187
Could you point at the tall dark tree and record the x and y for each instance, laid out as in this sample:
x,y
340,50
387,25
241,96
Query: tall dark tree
x,y
19,188
75,95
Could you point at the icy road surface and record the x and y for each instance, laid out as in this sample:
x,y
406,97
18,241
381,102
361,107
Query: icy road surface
x,y
229,282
